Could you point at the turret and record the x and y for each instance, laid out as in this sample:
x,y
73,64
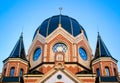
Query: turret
x,y
103,64
16,64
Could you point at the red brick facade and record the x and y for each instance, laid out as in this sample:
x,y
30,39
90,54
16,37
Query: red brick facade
x,y
17,64
102,65
51,65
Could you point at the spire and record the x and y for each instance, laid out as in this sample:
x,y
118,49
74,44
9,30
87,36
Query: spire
x,y
101,49
59,25
19,50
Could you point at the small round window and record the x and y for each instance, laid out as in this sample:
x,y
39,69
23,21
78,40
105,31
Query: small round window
x,y
59,76
82,53
37,53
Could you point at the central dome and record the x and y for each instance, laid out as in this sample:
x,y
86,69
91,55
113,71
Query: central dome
x,y
67,23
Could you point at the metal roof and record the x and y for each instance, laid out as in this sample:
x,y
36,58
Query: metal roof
x,y
101,49
67,23
19,50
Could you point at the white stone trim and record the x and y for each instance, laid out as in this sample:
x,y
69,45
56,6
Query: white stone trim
x,y
58,31
104,59
17,59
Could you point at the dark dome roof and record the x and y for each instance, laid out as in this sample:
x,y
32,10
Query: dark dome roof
x,y
68,23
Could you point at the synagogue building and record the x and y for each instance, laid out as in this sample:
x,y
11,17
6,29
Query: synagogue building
x,y
60,53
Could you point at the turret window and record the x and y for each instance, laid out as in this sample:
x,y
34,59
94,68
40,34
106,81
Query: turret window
x,y
98,72
115,73
21,72
107,71
4,72
12,70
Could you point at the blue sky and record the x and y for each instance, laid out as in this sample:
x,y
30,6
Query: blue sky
x,y
26,15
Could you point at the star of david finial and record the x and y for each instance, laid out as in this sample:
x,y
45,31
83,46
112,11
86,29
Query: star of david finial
x,y
60,9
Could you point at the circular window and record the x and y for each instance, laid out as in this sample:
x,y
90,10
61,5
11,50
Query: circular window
x,y
82,53
37,53
59,47
59,76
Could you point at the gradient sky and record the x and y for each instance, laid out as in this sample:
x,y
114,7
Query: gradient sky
x,y
26,15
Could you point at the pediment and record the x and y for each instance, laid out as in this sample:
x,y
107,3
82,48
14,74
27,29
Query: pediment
x,y
59,76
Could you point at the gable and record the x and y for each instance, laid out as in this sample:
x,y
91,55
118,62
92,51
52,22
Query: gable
x,y
59,77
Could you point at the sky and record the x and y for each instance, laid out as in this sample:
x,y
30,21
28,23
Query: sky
x,y
25,16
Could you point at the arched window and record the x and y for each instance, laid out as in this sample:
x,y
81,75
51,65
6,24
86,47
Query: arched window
x,y
107,71
115,72
4,72
59,47
12,70
98,71
21,72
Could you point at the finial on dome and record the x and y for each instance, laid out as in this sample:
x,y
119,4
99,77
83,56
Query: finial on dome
x,y
60,9
59,25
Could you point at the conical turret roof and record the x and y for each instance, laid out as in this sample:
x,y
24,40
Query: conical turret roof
x,y
19,50
101,49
